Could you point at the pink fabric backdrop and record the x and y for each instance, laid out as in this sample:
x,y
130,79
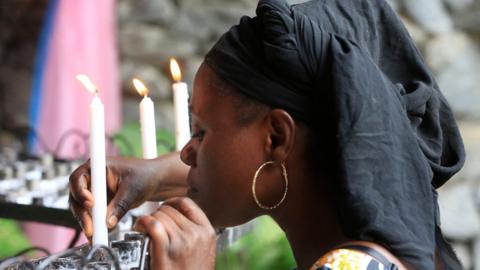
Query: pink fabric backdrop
x,y
83,40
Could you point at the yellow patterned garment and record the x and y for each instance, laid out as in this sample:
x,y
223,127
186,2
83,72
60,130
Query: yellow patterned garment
x,y
347,259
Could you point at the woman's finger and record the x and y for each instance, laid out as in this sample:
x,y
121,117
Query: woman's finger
x,y
79,183
189,209
168,223
82,216
119,205
155,229
180,220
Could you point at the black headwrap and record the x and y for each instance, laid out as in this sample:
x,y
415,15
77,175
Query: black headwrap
x,y
397,140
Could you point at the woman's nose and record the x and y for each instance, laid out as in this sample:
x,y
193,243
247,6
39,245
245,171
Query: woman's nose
x,y
188,154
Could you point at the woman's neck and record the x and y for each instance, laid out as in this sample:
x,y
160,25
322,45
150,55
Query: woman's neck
x,y
310,223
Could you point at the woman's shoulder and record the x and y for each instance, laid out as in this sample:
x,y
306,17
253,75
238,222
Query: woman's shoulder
x,y
353,257
359,255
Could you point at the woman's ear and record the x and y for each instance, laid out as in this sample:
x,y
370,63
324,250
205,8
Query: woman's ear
x,y
281,128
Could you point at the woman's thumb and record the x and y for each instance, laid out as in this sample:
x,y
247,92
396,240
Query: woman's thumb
x,y
117,208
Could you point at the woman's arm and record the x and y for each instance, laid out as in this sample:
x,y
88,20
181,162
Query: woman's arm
x,y
130,182
170,176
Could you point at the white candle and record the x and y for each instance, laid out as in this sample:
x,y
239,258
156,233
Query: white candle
x,y
147,122
149,138
97,165
180,104
98,172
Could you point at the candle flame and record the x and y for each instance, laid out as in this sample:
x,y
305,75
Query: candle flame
x,y
175,70
141,88
87,83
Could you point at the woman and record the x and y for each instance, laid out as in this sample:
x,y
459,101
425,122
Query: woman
x,y
321,115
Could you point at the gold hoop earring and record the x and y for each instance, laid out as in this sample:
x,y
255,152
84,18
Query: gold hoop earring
x,y
255,177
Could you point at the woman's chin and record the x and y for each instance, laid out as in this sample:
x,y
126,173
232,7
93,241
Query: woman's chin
x,y
218,217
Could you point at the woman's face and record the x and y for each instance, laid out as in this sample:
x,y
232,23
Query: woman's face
x,y
223,154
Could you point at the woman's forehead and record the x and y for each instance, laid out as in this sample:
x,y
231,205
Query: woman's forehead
x,y
205,99
199,93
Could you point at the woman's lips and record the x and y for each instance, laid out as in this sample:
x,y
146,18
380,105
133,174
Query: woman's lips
x,y
191,187
191,192
190,181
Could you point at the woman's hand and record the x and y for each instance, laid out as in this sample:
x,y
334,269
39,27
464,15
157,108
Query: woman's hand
x,y
130,182
181,236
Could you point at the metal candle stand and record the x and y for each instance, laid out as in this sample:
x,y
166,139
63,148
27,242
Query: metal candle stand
x,y
128,254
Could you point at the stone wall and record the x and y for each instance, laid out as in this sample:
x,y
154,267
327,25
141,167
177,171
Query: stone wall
x,y
448,34
150,32
19,30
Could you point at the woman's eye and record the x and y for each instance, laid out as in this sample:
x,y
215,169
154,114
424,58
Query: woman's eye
x,y
198,135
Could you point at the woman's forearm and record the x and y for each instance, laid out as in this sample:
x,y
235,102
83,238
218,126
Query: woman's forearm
x,y
170,176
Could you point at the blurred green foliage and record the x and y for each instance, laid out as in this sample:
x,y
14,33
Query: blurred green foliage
x,y
12,240
128,141
265,247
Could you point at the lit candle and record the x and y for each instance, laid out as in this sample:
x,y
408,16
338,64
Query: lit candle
x,y
97,164
180,104
147,122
